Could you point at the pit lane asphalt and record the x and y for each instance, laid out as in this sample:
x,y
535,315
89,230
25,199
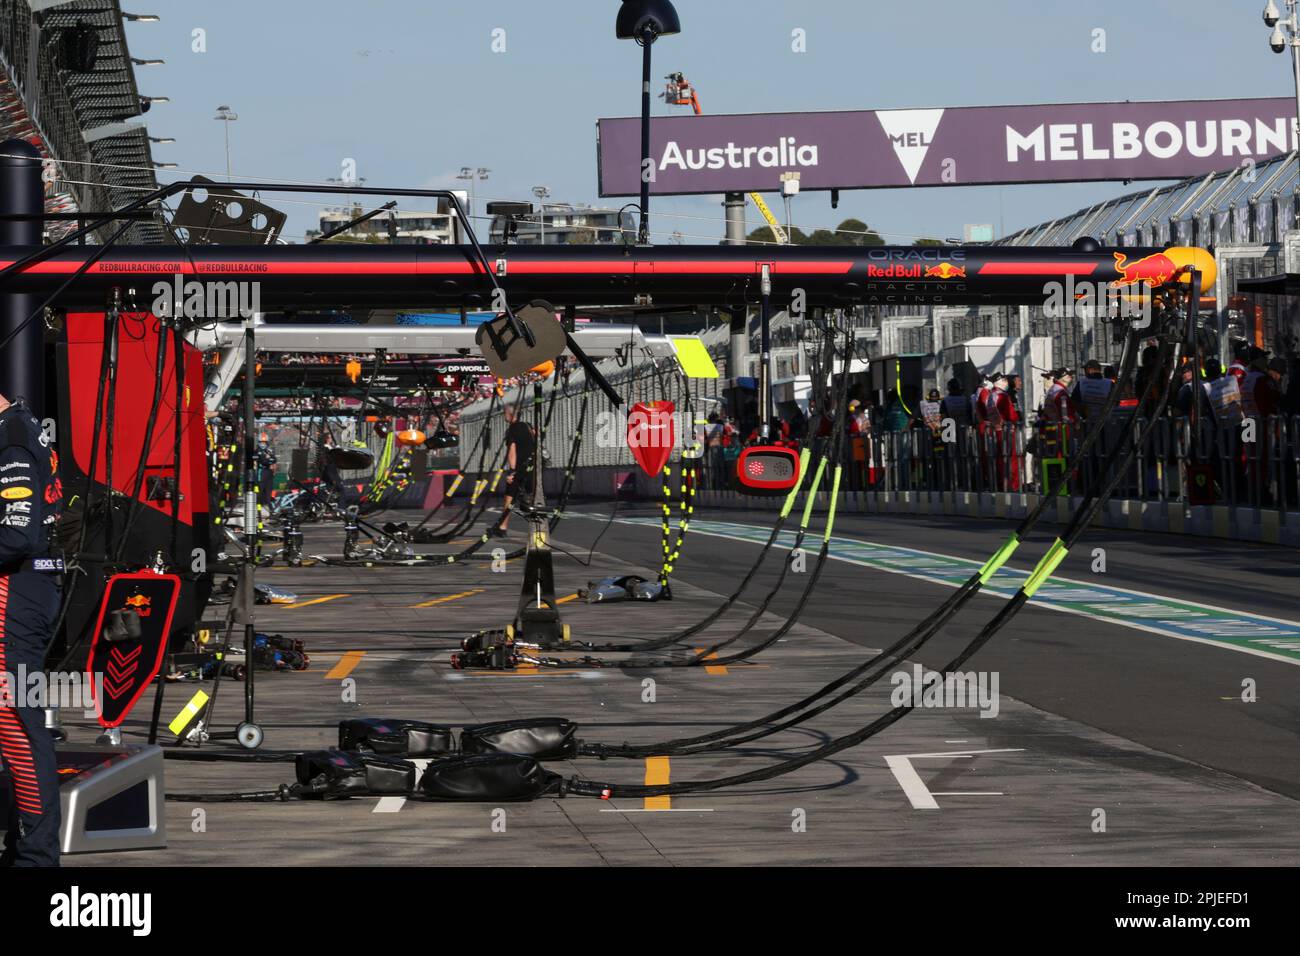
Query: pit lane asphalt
x,y
1024,788
1174,696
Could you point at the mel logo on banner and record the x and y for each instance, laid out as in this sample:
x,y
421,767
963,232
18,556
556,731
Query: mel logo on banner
x,y
651,434
910,132
129,664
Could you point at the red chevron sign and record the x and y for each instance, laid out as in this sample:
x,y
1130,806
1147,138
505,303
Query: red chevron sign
x,y
127,667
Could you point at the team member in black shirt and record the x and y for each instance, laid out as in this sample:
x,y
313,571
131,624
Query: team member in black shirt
x,y
520,474
30,577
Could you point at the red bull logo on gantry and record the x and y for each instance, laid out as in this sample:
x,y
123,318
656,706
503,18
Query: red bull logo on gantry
x,y
1174,264
1153,270
945,270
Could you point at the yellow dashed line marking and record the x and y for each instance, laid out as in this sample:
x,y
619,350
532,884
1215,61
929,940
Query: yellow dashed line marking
x,y
345,665
319,600
657,774
449,597
712,668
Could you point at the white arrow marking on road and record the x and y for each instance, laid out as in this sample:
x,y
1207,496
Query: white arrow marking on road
x,y
918,794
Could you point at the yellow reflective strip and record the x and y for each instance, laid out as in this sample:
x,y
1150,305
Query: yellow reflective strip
x,y
1004,553
455,484
188,713
794,492
1054,556
496,479
830,512
812,492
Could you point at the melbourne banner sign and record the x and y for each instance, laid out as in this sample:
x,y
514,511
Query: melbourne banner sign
x,y
958,146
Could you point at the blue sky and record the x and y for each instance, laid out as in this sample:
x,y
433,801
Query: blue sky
x,y
412,90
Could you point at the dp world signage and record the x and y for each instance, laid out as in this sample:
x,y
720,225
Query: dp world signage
x,y
961,146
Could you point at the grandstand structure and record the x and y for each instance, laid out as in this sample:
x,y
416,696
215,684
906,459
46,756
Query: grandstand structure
x,y
68,87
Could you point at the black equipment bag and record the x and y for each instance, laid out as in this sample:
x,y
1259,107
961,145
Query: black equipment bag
x,y
546,738
335,775
393,735
488,777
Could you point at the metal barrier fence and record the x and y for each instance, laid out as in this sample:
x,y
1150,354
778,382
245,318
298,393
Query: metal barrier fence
x,y
604,439
1254,463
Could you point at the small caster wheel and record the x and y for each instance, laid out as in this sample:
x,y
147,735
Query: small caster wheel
x,y
249,736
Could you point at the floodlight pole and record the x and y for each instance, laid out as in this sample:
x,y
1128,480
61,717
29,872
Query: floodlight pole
x,y
252,531
647,40
765,353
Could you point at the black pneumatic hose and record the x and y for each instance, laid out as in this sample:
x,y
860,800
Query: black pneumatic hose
x,y
459,524
481,440
805,462
146,444
893,655
1081,519
915,638
709,654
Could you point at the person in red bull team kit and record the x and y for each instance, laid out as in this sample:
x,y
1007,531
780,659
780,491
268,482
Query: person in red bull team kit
x,y
1241,357
1057,415
990,429
30,579
979,408
1004,411
980,401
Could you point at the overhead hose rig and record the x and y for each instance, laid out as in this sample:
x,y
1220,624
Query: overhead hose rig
x,y
829,451
64,259
527,779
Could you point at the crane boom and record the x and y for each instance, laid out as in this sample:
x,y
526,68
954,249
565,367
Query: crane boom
x,y
777,231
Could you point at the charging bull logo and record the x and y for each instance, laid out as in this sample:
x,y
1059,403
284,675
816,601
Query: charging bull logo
x,y
1153,270
651,434
139,603
945,270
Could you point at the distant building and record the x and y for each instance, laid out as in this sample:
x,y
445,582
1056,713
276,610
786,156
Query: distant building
x,y
399,227
565,224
